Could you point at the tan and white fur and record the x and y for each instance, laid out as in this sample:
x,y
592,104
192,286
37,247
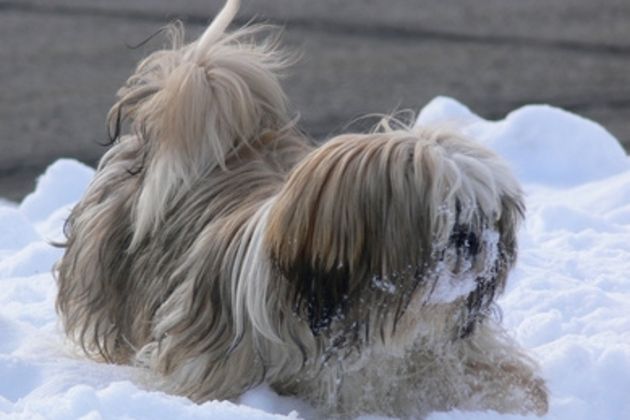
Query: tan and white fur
x,y
219,248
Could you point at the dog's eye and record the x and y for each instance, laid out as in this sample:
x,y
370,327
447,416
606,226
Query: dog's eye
x,y
464,239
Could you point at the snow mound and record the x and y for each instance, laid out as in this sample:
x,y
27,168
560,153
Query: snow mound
x,y
63,183
123,400
568,300
545,145
15,230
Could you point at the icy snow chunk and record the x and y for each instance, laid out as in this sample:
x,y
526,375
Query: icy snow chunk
x,y
383,284
543,144
63,183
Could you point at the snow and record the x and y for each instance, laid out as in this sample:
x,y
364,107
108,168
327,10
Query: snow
x,y
568,300
545,145
450,287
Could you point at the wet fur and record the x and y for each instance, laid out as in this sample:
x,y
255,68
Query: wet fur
x,y
219,248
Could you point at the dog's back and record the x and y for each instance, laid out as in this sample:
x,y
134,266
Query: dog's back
x,y
211,139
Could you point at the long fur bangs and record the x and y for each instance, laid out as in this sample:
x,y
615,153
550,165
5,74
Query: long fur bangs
x,y
368,221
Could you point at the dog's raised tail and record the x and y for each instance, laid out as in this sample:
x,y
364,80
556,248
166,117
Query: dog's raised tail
x,y
217,27
193,106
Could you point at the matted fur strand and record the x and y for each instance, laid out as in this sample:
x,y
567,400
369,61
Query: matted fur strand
x,y
218,248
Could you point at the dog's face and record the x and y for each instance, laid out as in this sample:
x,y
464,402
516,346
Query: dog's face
x,y
368,225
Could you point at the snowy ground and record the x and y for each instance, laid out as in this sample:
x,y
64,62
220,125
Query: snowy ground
x,y
568,300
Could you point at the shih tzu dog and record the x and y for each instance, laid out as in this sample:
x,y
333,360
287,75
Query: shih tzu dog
x,y
219,248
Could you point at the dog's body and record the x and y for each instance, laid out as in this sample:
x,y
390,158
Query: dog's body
x,y
220,248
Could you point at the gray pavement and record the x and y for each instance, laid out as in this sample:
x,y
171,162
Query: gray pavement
x,y
63,60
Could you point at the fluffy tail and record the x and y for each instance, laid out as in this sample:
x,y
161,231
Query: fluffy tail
x,y
193,105
217,27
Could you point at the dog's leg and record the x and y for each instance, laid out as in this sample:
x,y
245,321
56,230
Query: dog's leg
x,y
499,375
484,371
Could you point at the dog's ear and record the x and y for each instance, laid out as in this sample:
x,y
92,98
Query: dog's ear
x,y
364,223
349,232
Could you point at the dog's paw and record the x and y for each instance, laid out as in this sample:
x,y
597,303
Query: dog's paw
x,y
537,396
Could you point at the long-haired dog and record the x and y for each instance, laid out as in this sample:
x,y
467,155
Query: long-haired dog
x,y
219,248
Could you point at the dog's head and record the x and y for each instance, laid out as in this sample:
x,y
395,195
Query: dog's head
x,y
369,223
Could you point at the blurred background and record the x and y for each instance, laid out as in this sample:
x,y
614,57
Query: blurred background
x,y
61,62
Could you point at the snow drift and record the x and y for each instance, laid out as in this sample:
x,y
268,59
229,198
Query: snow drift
x,y
568,299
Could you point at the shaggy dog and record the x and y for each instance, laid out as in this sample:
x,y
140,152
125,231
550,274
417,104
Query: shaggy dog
x,y
219,248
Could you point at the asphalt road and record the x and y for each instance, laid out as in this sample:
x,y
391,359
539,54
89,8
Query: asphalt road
x,y
63,60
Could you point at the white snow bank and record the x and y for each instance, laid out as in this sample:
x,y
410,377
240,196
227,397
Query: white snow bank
x,y
63,183
123,400
15,229
568,300
545,145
